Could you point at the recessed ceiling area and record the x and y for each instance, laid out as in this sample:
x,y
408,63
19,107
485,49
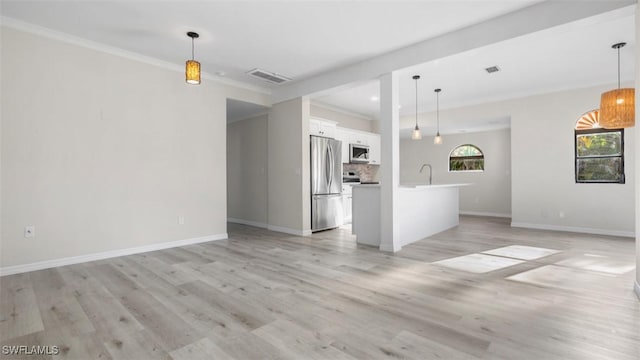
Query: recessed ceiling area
x,y
573,55
294,39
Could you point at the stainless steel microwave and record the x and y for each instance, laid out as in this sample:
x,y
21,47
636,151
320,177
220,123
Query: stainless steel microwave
x,y
358,154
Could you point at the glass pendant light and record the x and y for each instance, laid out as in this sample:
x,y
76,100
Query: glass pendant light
x,y
416,135
192,69
617,107
438,139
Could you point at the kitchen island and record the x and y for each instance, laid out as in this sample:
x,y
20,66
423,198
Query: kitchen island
x,y
423,210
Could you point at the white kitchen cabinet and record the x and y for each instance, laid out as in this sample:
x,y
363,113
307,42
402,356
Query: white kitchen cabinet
x,y
374,149
343,135
359,137
322,128
347,204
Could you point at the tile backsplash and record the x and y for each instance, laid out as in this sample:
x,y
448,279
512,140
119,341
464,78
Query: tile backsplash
x,y
366,172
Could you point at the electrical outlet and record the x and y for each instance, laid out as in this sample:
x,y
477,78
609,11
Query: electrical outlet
x,y
29,231
180,220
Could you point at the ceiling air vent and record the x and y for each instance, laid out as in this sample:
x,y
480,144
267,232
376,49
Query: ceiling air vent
x,y
268,76
492,69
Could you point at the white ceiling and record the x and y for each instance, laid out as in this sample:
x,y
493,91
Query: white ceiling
x,y
574,55
306,38
295,39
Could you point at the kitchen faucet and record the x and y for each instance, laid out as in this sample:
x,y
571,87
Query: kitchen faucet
x,y
430,171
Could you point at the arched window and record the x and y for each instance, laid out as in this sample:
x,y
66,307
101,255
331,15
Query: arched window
x,y
599,153
466,158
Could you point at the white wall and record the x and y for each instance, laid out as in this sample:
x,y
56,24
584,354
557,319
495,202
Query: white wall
x,y
101,152
490,193
343,119
544,188
288,174
542,163
247,170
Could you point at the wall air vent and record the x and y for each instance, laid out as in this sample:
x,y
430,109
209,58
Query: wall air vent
x,y
492,69
269,76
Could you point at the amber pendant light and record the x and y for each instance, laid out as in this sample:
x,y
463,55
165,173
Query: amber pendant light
x,y
415,134
192,69
438,139
617,107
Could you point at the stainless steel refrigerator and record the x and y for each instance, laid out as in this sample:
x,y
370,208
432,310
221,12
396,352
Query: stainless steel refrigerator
x,y
326,183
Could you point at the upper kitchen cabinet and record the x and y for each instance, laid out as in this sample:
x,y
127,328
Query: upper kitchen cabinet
x,y
374,149
359,137
324,128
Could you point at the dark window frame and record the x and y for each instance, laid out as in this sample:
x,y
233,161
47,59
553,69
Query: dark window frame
x,y
576,157
473,157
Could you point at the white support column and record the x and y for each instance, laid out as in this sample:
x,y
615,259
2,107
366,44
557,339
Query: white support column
x,y
637,136
390,161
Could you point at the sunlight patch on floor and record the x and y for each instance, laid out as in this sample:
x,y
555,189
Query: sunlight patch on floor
x,y
478,263
522,252
599,263
555,276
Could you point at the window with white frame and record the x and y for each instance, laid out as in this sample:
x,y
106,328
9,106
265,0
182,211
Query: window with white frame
x,y
466,158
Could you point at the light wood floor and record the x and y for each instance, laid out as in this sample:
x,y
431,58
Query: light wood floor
x,y
267,295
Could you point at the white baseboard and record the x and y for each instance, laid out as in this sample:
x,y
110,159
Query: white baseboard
x,y
636,287
386,248
16,269
289,231
247,222
281,229
482,213
574,229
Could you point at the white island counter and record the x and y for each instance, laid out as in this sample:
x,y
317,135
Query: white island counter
x,y
423,210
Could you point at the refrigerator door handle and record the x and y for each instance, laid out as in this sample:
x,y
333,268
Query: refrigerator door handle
x,y
327,165
330,166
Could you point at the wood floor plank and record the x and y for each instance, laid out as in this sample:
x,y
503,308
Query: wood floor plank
x,y
58,306
412,346
203,349
299,343
19,312
84,346
111,320
169,330
242,313
138,345
249,346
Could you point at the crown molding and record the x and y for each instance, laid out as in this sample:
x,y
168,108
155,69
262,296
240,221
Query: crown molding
x,y
116,51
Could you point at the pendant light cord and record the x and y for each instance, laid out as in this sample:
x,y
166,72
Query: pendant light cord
x,y
619,67
617,47
438,110
416,102
192,51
